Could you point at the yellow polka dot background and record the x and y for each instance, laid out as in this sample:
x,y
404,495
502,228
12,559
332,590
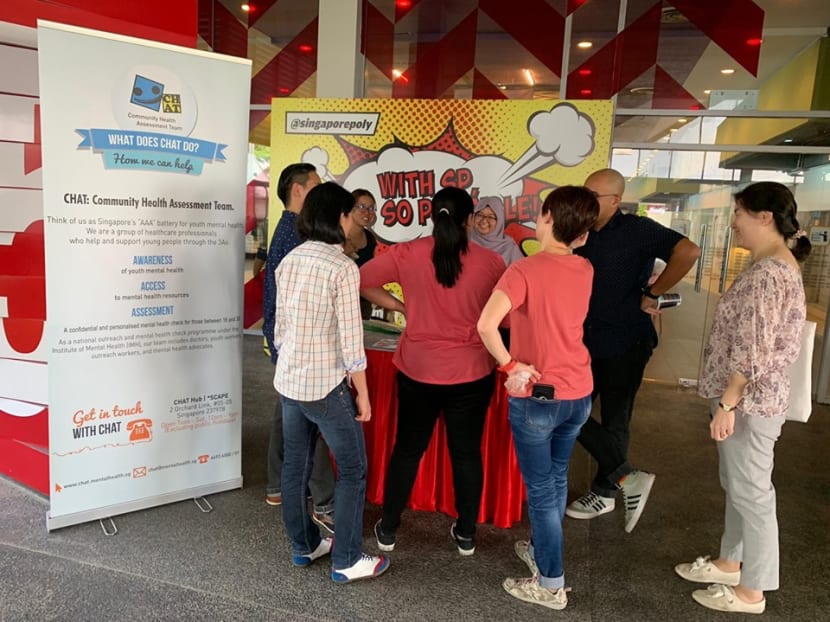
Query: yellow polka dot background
x,y
483,127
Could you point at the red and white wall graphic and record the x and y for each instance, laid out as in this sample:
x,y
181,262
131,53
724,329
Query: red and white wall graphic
x,y
24,413
23,389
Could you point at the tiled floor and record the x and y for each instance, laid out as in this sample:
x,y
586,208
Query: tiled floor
x,y
175,563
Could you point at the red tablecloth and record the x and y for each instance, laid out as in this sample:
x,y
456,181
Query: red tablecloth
x,y
504,492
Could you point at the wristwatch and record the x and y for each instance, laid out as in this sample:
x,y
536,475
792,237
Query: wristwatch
x,y
726,407
647,293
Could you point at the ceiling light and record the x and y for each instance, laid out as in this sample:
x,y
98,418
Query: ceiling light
x,y
403,4
396,73
246,8
727,72
584,72
529,77
707,91
754,41
305,48
673,130
585,92
284,90
503,87
681,120
584,45
788,140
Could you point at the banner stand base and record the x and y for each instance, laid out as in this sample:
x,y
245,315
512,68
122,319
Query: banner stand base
x,y
67,520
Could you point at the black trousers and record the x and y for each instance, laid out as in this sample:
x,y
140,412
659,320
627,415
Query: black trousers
x,y
419,406
616,381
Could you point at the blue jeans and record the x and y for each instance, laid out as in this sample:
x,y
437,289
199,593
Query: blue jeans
x,y
544,433
334,418
321,484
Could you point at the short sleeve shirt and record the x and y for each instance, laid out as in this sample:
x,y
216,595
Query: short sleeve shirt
x,y
622,253
545,324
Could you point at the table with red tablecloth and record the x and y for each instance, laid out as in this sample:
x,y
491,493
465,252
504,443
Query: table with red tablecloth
x,y
503,494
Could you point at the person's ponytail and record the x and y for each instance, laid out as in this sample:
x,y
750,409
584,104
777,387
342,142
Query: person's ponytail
x,y
800,245
451,208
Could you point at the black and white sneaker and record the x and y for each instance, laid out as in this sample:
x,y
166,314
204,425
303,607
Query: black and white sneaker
x,y
386,541
636,488
590,506
466,546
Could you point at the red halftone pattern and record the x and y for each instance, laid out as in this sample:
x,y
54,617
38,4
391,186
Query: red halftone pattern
x,y
356,155
448,143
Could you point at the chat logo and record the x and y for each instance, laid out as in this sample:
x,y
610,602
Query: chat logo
x,y
147,93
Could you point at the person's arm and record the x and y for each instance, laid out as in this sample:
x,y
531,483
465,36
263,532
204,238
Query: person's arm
x,y
723,421
364,407
259,261
753,348
350,330
683,257
497,307
377,272
382,298
269,302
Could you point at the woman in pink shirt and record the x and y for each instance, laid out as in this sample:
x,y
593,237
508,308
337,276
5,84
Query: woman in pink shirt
x,y
549,377
756,336
443,366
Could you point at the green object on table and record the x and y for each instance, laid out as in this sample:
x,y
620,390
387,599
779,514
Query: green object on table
x,y
379,326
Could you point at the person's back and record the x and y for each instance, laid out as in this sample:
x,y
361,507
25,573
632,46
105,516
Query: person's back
x,y
319,337
561,357
440,343
548,378
443,366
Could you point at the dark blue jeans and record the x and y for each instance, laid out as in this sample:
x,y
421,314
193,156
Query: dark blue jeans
x,y
544,433
321,484
334,418
616,381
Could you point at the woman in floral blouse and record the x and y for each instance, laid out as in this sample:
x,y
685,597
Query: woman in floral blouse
x,y
755,337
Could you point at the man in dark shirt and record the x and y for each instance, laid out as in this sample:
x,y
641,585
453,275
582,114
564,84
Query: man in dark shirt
x,y
620,335
294,183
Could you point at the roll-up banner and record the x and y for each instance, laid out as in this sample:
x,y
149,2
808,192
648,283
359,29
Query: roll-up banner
x,y
144,168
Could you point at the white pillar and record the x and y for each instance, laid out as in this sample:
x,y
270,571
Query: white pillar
x,y
339,61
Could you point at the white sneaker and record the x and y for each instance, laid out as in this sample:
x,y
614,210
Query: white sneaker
x,y
590,506
702,570
367,567
723,598
522,548
530,591
324,548
636,488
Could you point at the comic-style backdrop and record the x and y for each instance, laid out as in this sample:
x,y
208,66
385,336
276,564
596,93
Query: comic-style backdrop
x,y
404,151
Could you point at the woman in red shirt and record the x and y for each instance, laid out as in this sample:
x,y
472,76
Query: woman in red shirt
x,y
549,377
442,364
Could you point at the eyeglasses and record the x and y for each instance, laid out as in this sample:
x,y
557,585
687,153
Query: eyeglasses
x,y
365,208
480,217
597,195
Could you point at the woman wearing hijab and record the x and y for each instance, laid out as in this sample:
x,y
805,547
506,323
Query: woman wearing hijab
x,y
488,230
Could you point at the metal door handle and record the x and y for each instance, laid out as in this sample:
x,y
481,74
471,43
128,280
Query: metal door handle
x,y
724,263
700,262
